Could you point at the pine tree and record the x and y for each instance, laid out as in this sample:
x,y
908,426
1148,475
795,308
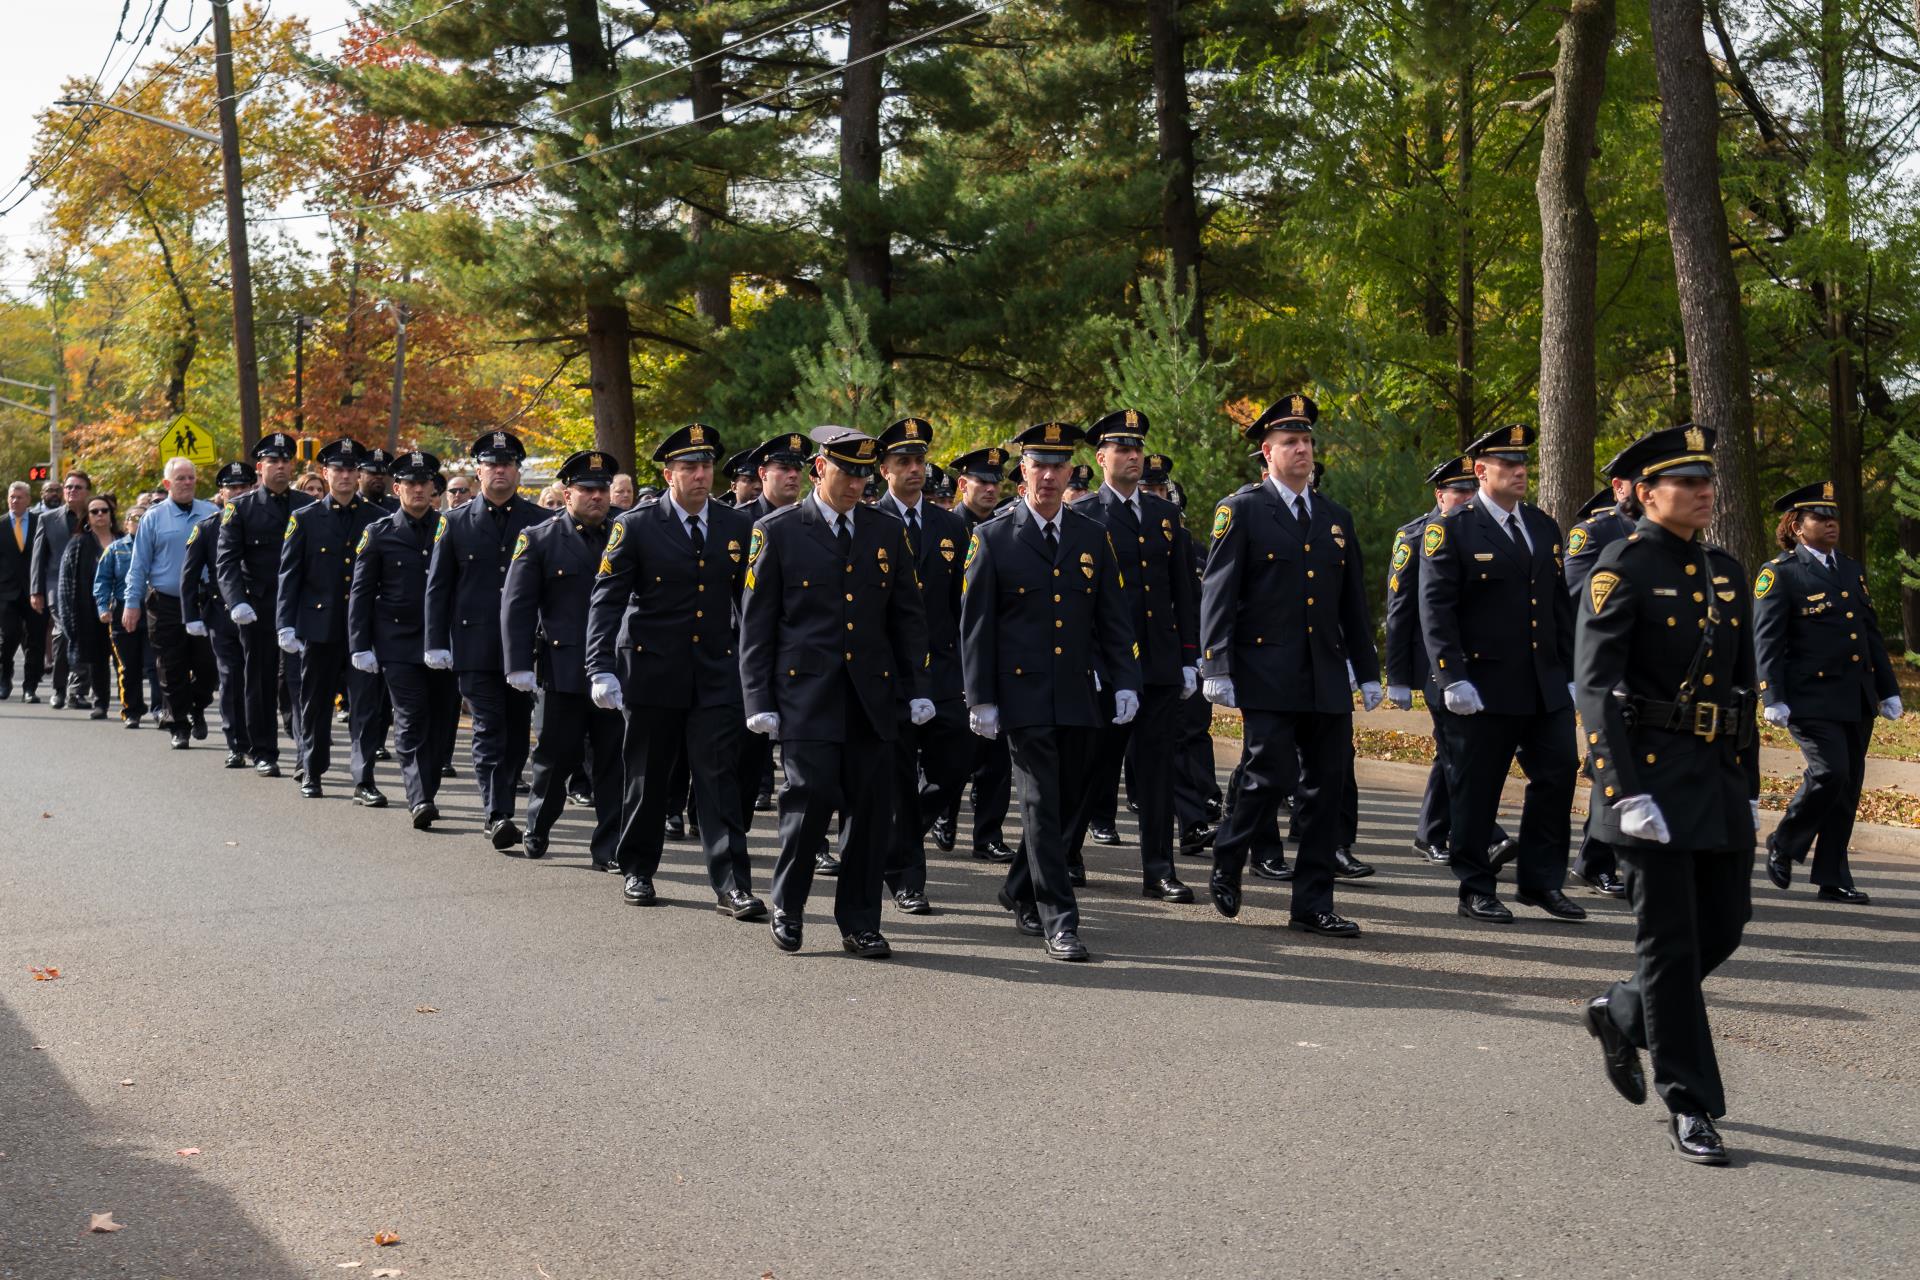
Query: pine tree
x,y
843,381
1159,368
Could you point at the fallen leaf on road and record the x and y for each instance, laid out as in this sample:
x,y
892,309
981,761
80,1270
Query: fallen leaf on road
x,y
126,1084
233,844
385,1272
384,1238
348,1266
47,974
188,1151
46,815
424,1008
39,1048
103,1222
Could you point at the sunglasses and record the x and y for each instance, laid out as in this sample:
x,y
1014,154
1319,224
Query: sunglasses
x,y
99,511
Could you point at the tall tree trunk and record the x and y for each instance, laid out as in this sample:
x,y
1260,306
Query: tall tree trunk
x,y
1179,205
713,289
1844,436
1463,400
1570,261
869,257
1434,304
1909,598
1720,374
609,332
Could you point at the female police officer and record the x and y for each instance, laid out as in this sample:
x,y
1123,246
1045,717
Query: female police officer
x,y
1676,777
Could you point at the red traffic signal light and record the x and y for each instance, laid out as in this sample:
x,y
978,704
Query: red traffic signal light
x,y
40,471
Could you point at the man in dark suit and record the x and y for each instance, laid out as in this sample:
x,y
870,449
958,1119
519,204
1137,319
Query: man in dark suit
x,y
247,566
1044,628
20,626
471,550
49,544
931,760
661,647
205,614
1283,619
543,632
1506,690
978,477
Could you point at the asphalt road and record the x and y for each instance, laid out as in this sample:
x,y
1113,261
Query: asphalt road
x,y
607,1091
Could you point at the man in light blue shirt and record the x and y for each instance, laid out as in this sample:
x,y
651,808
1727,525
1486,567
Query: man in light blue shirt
x,y
188,678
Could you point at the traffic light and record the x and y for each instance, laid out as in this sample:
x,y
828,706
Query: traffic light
x,y
306,450
40,471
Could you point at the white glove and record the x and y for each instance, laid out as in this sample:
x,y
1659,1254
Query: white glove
x,y
1891,708
606,692
1126,705
1640,818
1371,694
363,660
984,720
199,630
1400,696
439,659
1219,691
1775,713
1189,681
920,710
243,614
291,643
1755,804
1463,699
524,681
767,722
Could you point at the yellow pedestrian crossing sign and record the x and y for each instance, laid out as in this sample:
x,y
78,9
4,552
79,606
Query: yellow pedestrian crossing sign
x,y
185,438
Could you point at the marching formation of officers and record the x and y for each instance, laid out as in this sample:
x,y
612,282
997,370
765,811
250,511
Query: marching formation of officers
x,y
1041,648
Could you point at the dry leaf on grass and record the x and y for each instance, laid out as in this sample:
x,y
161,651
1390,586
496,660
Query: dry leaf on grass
x,y
103,1222
384,1238
424,1008
188,1151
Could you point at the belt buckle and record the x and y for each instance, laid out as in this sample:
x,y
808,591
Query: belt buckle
x,y
1706,720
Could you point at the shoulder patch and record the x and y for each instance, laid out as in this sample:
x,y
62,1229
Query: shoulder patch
x,y
1577,540
615,538
366,536
1402,551
1222,521
192,534
1764,583
293,522
520,546
754,544
440,530
226,514
1433,539
1600,586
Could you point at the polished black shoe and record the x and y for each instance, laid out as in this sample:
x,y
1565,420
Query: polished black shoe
x,y
763,803
1225,889
1197,839
341,715
1605,883
867,944
1026,916
741,905
267,768
235,760
943,835
1076,873
1622,1059
1066,945
199,727
1438,854
676,827
425,814
1102,834
382,754
1779,866
1503,853
60,703
584,799
30,697
179,740
504,833
1695,1138
1168,889
993,851
533,846
310,788
913,902
639,891
133,722
369,796
1348,867
448,771
786,931
1213,810
1324,923
1554,903
1486,907
98,713
1839,893
825,864
1272,868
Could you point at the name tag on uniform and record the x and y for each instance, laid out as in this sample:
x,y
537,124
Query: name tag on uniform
x,y
1666,591
1483,555
1818,595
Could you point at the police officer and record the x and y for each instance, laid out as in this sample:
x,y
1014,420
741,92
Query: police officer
x,y
1664,677
931,760
376,479
316,571
387,630
1283,619
1044,626
471,550
1505,690
543,634
1079,482
743,477
1196,790
1155,559
832,634
661,648
1824,675
206,617
978,477
939,487
253,528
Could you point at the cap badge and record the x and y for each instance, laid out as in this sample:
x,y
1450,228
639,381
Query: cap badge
x,y
1052,433
1826,490
1298,404
697,434
1518,435
1133,418
499,439
1696,439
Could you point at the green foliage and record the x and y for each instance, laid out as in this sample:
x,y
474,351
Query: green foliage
x,y
1159,369
843,381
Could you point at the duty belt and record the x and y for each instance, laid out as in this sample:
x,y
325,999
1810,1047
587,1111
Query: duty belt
x,y
1704,720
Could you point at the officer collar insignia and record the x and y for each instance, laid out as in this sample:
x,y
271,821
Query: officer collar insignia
x,y
1600,586
1696,439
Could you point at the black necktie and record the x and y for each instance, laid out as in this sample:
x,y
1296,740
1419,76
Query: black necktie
x,y
913,530
843,536
1513,531
693,532
1300,514
1052,540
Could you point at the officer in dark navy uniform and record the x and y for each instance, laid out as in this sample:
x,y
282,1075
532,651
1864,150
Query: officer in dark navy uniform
x,y
743,480
376,479
833,634
205,615
253,528
387,632
1664,675
939,489
977,477
1045,627
472,548
1504,691
1824,675
1283,621
1196,790
316,571
780,465
931,760
543,634
661,647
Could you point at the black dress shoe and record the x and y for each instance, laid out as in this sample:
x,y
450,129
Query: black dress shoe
x,y
1503,853
1101,834
867,944
1213,810
1133,806
1554,903
1197,839
741,905
6,691
1605,883
381,753
825,864
1076,873
80,704
310,788
1225,888
993,851
943,835
235,760
1066,945
98,713
1272,868
1348,867
425,814
534,846
763,803
133,722
448,771
913,902
369,796
199,727
582,798
1326,924
1839,893
1438,854
1622,1059
521,788
30,696
1779,866
1695,1138
1484,906
639,891
179,740
267,768
504,833
1168,889
786,931
676,827
60,702
1026,916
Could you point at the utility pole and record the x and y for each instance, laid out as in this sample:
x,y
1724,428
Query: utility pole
x,y
246,363
399,374
300,326
51,412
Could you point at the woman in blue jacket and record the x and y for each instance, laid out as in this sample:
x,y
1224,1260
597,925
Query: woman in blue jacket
x,y
129,647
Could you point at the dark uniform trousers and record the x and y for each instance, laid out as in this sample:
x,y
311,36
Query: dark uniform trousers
x,y
1145,748
571,730
502,734
1194,782
323,668
261,656
23,629
824,778
992,781
930,763
230,664
1821,814
709,737
130,663
1480,747
187,675
1308,755
426,713
1051,764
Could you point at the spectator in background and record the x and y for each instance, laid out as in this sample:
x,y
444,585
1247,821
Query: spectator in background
x,y
621,495
152,589
553,497
109,599
20,627
49,549
86,638
50,499
459,491
312,483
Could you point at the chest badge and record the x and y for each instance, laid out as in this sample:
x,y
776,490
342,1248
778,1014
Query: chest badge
x,y
1086,563
880,558
733,550
947,550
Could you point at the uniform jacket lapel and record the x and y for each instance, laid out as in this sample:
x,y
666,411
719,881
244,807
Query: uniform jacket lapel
x,y
1282,517
1027,529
